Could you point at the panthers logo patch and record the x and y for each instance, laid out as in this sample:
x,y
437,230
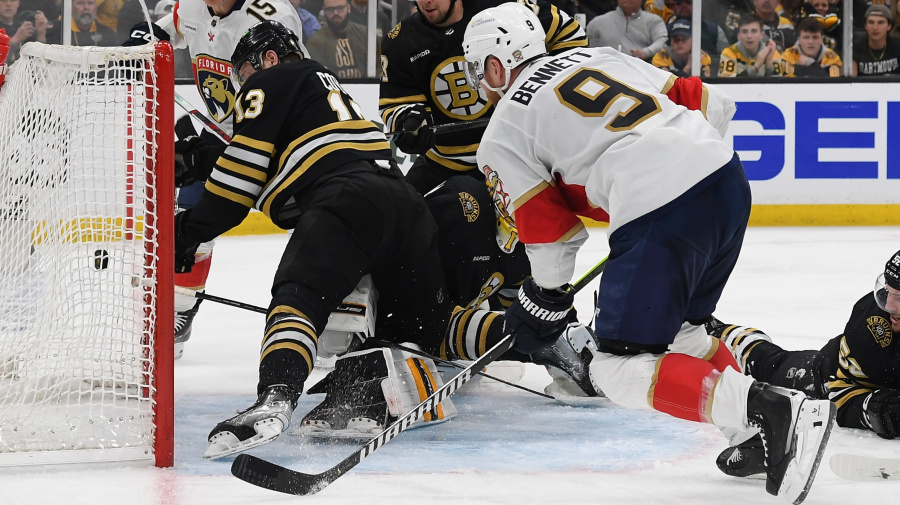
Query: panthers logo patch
x,y
880,328
451,92
470,206
215,85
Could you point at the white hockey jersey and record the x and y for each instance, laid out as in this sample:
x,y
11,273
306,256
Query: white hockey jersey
x,y
593,132
211,40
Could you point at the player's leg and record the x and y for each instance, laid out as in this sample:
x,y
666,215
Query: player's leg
x,y
323,261
412,307
671,268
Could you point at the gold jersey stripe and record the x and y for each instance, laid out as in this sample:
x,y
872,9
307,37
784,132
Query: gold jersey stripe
x,y
400,100
312,159
238,168
259,145
229,195
356,124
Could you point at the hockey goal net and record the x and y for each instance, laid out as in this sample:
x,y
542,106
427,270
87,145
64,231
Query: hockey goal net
x,y
86,204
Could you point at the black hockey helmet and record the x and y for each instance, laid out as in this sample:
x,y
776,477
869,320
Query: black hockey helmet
x,y
261,37
890,278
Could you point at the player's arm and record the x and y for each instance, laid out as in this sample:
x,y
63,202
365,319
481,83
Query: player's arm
x,y
563,32
163,29
401,104
551,231
239,174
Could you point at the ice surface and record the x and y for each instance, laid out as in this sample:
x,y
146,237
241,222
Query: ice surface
x,y
506,446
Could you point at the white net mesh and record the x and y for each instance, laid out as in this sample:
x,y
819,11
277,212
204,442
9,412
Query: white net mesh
x,y
76,211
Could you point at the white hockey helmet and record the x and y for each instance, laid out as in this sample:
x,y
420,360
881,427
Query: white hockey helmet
x,y
511,32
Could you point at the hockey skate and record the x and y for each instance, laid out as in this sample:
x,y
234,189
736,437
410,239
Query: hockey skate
x,y
184,320
794,433
259,424
568,362
744,459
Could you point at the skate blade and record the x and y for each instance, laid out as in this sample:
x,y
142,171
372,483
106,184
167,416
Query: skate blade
x,y
811,435
226,444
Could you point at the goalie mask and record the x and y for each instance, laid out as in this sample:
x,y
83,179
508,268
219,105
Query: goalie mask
x,y
510,32
263,36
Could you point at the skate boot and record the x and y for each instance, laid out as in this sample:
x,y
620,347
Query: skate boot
x,y
260,424
568,361
744,459
794,433
183,322
355,406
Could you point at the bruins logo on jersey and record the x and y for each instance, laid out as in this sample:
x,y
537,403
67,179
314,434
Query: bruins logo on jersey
x,y
451,92
216,88
470,206
880,328
394,32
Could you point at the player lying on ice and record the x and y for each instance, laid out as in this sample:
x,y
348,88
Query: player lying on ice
x,y
678,203
858,369
303,155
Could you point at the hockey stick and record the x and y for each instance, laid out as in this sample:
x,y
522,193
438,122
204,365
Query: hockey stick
x,y
207,123
865,468
439,129
262,473
253,308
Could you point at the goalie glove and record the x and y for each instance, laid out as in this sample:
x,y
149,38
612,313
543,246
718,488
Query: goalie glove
x,y
140,34
185,247
413,133
881,412
538,316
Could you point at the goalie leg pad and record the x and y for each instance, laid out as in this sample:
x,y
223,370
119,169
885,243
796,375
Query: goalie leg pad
x,y
370,389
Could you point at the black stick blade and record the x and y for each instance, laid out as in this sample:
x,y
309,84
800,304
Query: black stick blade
x,y
267,475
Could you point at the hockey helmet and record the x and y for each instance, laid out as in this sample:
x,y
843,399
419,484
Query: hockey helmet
x,y
511,32
890,278
261,37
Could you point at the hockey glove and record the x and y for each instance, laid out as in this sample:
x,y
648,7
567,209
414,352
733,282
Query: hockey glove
x,y
140,34
881,411
185,247
414,135
538,316
195,159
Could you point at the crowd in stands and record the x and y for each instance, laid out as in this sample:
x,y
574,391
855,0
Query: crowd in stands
x,y
738,38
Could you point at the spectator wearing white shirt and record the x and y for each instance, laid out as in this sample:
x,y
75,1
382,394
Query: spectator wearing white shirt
x,y
629,29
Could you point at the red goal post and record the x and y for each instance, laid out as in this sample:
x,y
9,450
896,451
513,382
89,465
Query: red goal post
x,y
86,255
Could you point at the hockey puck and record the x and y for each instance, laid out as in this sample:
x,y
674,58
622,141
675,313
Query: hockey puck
x,y
101,259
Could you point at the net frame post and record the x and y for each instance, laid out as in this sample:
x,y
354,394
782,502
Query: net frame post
x,y
163,170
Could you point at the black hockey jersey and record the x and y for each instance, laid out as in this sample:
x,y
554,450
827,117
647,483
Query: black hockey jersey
x,y
294,124
864,358
424,64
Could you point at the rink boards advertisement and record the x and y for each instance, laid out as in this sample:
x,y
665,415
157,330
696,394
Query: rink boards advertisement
x,y
815,154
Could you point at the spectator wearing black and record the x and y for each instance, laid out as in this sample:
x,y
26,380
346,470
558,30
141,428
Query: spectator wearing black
x,y
775,27
359,13
727,14
878,52
22,26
